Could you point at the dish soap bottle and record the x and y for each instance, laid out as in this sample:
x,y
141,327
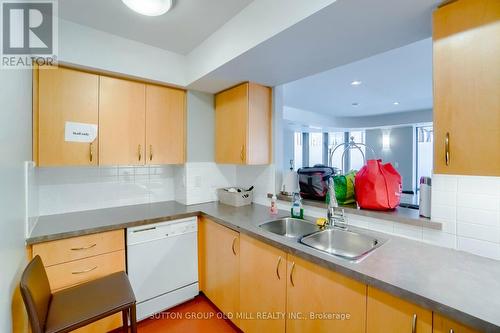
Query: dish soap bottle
x,y
274,205
297,211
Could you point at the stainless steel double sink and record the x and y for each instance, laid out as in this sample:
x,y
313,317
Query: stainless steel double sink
x,y
342,243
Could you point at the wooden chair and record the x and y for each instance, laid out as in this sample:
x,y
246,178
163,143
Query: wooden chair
x,y
78,306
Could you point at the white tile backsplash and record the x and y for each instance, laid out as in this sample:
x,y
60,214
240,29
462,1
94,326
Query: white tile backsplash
x,y
469,208
479,247
479,216
63,190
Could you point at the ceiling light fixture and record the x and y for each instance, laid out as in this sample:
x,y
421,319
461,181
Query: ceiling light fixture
x,y
149,7
356,83
396,103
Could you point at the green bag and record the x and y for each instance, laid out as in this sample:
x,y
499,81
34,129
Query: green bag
x,y
344,188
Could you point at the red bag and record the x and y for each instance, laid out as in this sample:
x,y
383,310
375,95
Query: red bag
x,y
378,186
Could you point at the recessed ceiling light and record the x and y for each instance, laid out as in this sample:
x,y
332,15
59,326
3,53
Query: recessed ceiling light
x,y
356,83
149,7
396,103
355,104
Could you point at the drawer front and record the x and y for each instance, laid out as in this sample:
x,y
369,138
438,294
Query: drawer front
x,y
66,250
79,271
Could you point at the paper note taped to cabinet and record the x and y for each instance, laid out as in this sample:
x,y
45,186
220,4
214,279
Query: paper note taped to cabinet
x,y
79,132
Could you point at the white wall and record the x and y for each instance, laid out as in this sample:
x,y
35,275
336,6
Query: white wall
x,y
86,47
307,118
200,127
401,153
259,21
15,148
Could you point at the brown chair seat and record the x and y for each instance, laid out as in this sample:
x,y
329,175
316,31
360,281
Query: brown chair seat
x,y
96,299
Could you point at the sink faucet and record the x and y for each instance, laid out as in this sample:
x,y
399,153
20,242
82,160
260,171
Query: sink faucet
x,y
336,217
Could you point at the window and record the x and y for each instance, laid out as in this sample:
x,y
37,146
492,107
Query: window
x,y
315,148
335,139
317,151
297,154
425,139
356,159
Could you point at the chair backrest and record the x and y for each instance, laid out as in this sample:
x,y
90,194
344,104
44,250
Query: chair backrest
x,y
35,290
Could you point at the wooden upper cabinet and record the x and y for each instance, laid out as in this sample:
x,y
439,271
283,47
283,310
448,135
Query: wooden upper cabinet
x,y
389,314
466,88
243,125
165,125
262,286
62,95
330,296
122,118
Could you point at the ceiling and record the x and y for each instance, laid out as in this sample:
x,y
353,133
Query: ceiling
x,y
182,29
402,75
342,33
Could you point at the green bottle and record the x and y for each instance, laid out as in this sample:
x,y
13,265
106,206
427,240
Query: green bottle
x,y
297,211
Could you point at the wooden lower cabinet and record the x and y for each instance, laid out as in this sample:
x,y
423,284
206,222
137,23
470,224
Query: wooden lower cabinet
x,y
320,300
389,314
262,287
444,325
219,263
76,260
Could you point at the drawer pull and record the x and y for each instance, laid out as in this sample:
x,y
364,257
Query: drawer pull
x,y
447,149
84,271
291,274
278,268
143,230
232,246
84,248
414,324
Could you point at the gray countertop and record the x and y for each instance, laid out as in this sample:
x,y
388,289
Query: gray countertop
x,y
459,285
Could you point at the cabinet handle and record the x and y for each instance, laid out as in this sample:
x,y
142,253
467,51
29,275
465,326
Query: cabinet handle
x,y
139,152
278,268
150,152
91,149
242,153
84,271
447,148
232,246
414,324
291,274
83,248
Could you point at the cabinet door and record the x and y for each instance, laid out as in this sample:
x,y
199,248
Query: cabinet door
x,y
262,287
389,314
165,125
466,86
259,125
320,300
444,325
219,266
64,95
121,122
231,122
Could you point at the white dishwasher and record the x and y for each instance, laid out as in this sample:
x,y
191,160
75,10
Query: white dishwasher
x,y
162,264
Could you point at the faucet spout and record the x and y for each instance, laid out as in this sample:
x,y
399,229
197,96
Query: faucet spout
x,y
336,217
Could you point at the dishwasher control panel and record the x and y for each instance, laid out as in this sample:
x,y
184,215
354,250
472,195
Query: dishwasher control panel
x,y
150,232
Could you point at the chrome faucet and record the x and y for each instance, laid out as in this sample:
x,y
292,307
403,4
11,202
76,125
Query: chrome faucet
x,y
336,217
